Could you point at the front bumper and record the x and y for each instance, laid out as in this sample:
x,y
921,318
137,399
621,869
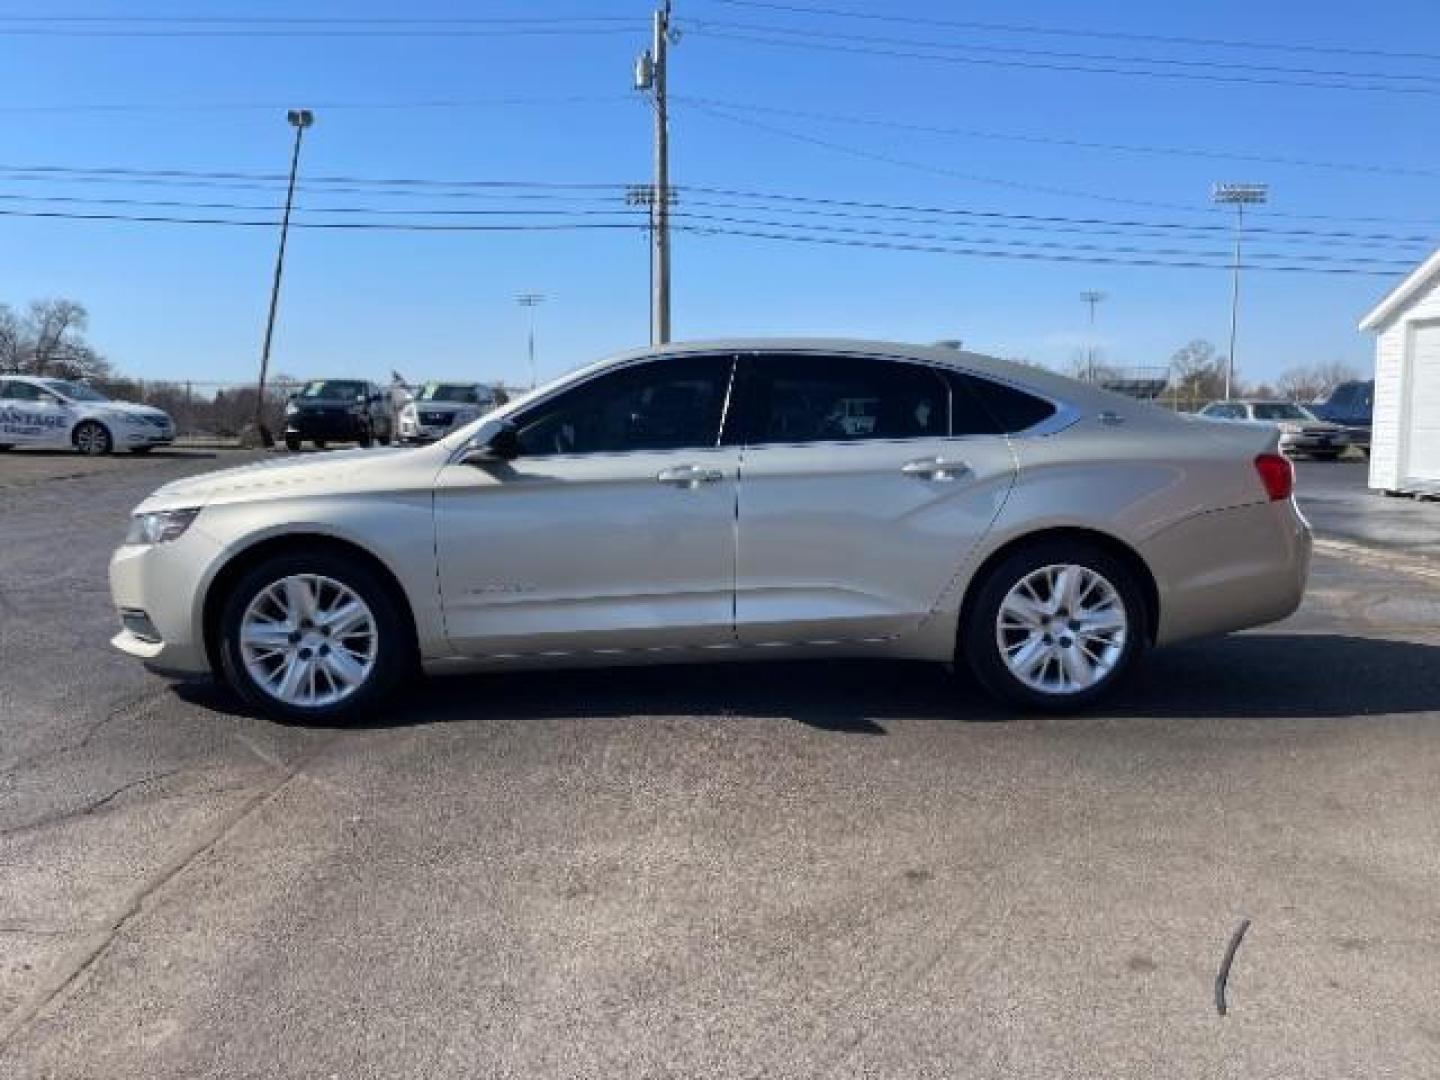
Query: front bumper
x,y
1304,443
167,583
149,435
335,427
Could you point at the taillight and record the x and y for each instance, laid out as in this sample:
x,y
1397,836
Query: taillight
x,y
1277,474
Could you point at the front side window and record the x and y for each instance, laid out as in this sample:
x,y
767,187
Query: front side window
x,y
803,398
665,404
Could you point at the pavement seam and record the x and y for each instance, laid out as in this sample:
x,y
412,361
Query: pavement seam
x,y
84,957
1370,556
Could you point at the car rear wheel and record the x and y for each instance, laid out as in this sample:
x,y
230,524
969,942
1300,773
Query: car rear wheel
x,y
1055,626
313,637
92,439
365,438
292,443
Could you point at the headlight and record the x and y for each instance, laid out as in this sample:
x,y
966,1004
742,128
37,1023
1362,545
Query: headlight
x,y
159,527
291,408
1289,427
408,412
133,418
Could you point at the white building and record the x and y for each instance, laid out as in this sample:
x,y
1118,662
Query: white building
x,y
1405,441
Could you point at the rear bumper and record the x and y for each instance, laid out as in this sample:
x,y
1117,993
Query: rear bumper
x,y
1229,569
1301,443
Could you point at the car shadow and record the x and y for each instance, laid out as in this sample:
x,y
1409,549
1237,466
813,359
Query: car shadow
x,y
179,453
1260,675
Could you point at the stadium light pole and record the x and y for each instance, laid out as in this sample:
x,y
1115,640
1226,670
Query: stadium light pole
x,y
1091,297
1238,196
531,301
299,119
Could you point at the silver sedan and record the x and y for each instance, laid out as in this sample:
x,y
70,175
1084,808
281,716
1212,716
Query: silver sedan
x,y
729,500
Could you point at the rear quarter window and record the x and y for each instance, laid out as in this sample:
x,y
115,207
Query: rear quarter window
x,y
994,407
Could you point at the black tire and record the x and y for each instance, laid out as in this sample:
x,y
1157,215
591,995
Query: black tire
x,y
6,446
292,443
319,444
365,439
384,440
92,438
141,449
980,648
1326,455
395,646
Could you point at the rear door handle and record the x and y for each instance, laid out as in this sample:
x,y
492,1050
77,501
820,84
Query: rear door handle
x,y
935,468
689,476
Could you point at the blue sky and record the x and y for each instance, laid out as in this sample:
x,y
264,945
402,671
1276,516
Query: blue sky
x,y
179,301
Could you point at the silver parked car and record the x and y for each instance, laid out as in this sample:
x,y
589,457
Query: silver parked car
x,y
728,500
1301,431
441,406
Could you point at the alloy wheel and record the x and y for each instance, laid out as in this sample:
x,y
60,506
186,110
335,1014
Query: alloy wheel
x,y
1061,629
308,640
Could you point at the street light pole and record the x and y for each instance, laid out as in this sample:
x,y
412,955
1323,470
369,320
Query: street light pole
x,y
1092,298
531,301
1238,196
299,119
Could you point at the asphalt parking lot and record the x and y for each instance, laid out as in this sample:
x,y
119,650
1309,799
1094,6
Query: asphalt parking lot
x,y
794,870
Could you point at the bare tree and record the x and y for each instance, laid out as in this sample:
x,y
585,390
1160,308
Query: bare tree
x,y
12,338
1198,372
1314,380
50,340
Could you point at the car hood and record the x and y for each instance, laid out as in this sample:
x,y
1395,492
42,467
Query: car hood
x,y
306,474
127,408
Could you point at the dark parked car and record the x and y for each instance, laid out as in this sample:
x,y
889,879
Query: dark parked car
x,y
338,410
1350,404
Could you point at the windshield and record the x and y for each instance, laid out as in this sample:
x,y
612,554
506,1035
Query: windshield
x,y
72,390
463,393
338,389
1280,410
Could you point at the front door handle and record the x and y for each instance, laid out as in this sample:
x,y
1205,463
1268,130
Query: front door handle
x,y
935,468
689,476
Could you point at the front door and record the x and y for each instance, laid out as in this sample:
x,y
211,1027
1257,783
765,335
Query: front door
x,y
857,502
614,528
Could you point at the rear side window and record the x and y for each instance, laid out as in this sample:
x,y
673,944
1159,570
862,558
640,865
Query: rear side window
x,y
809,398
991,408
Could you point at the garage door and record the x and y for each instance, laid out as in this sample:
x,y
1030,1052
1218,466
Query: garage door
x,y
1421,448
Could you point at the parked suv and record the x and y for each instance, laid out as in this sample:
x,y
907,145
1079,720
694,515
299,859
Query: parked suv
x,y
1350,404
441,406
338,410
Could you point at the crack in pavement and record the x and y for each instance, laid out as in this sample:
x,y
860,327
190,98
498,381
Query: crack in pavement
x,y
84,957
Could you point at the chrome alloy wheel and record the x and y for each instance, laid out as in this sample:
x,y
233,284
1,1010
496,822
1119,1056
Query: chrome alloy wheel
x,y
1061,629
308,640
91,439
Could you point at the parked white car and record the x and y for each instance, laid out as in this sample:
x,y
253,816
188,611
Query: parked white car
x,y
440,407
60,413
1301,431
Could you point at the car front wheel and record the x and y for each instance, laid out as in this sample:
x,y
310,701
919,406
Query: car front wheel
x,y
313,637
1055,626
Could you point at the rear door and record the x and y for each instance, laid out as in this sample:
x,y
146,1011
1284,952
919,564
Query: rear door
x,y
865,482
29,416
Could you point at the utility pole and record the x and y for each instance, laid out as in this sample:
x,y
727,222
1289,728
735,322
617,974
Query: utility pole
x,y
531,300
299,119
1091,297
1238,196
650,72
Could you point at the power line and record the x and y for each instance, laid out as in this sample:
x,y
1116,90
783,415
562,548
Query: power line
x,y
1056,65
434,103
1023,256
1044,140
1007,50
1112,35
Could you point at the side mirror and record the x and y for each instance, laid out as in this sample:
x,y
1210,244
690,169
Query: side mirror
x,y
500,444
